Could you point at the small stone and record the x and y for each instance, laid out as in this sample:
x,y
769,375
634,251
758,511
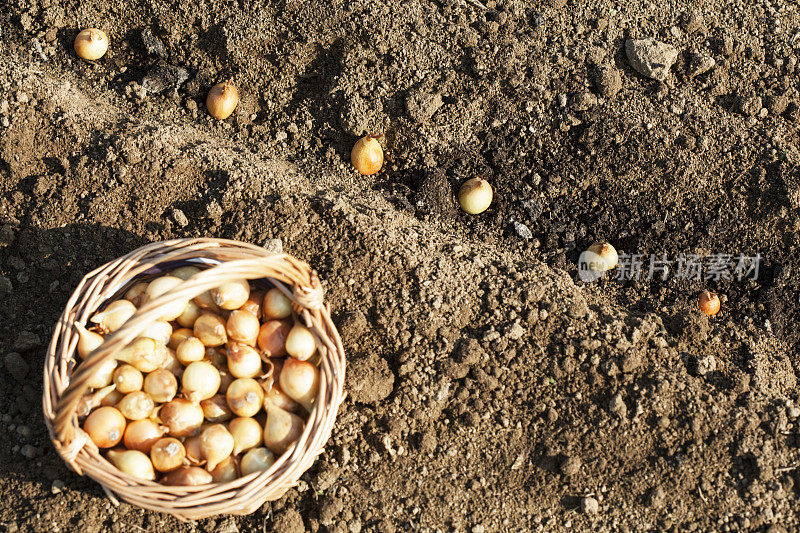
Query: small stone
x,y
288,521
630,362
516,331
57,486
750,106
693,22
522,230
700,64
583,101
590,506
706,364
608,81
478,529
227,526
571,466
180,218
162,77
16,366
617,405
651,58
793,411
22,97
656,497
777,105
421,105
153,44
274,246
28,451
26,341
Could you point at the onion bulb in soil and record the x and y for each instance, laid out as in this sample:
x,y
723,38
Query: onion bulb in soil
x,y
601,257
709,303
367,155
222,100
475,196
91,44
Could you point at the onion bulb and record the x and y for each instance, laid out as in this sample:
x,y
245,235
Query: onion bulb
x,y
245,396
104,375
709,303
232,294
158,287
112,398
135,294
105,426
132,462
225,380
216,443
243,326
206,302
144,354
161,385
89,401
159,331
226,470
182,417
190,314
277,397
475,196
88,341
194,454
190,350
254,303
167,454
601,256
185,272
247,433
136,405
200,381
142,434
276,305
112,317
243,361
127,379
222,100
216,408
281,430
367,155
300,342
300,381
272,337
188,475
172,364
91,44
210,329
178,336
256,460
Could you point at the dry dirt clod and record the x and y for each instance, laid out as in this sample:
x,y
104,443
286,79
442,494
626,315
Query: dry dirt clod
x,y
651,58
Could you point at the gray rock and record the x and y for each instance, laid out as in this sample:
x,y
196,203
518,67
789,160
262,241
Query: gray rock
x,y
26,341
180,218
153,44
651,58
522,230
608,81
617,405
422,105
16,366
163,77
700,64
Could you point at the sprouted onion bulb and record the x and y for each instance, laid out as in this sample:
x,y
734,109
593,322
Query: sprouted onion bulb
x,y
144,354
200,381
88,341
105,426
91,44
247,433
300,343
112,317
367,155
133,462
216,443
709,303
167,454
142,434
232,294
475,196
256,460
161,385
245,397
601,256
222,100
276,305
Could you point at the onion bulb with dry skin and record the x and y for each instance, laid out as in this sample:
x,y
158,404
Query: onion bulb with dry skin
x,y
243,327
216,443
112,317
127,379
367,155
210,329
178,336
172,364
105,426
182,417
188,476
709,303
136,405
225,380
475,196
161,385
104,375
245,396
92,400
253,303
135,294
144,354
161,285
222,100
300,381
132,462
190,314
256,460
272,337
244,361
216,408
600,257
185,272
226,470
88,341
190,350
277,397
159,331
200,381
247,433
300,343
142,434
206,302
282,429
91,44
112,398
276,305
231,294
167,454
194,454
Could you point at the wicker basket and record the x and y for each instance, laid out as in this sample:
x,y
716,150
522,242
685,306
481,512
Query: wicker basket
x,y
223,260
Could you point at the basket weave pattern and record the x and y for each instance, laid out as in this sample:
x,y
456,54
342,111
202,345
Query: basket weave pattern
x,y
226,261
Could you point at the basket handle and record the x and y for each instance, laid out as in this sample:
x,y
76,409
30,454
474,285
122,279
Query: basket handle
x,y
292,277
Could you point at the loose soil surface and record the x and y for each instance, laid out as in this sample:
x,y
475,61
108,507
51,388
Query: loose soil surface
x,y
489,388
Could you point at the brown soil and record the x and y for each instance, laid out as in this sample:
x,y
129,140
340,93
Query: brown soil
x,y
489,390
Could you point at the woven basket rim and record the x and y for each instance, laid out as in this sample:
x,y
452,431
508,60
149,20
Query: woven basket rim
x,y
225,260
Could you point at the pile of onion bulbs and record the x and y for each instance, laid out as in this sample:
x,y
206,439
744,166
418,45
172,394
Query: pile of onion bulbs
x,y
219,387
